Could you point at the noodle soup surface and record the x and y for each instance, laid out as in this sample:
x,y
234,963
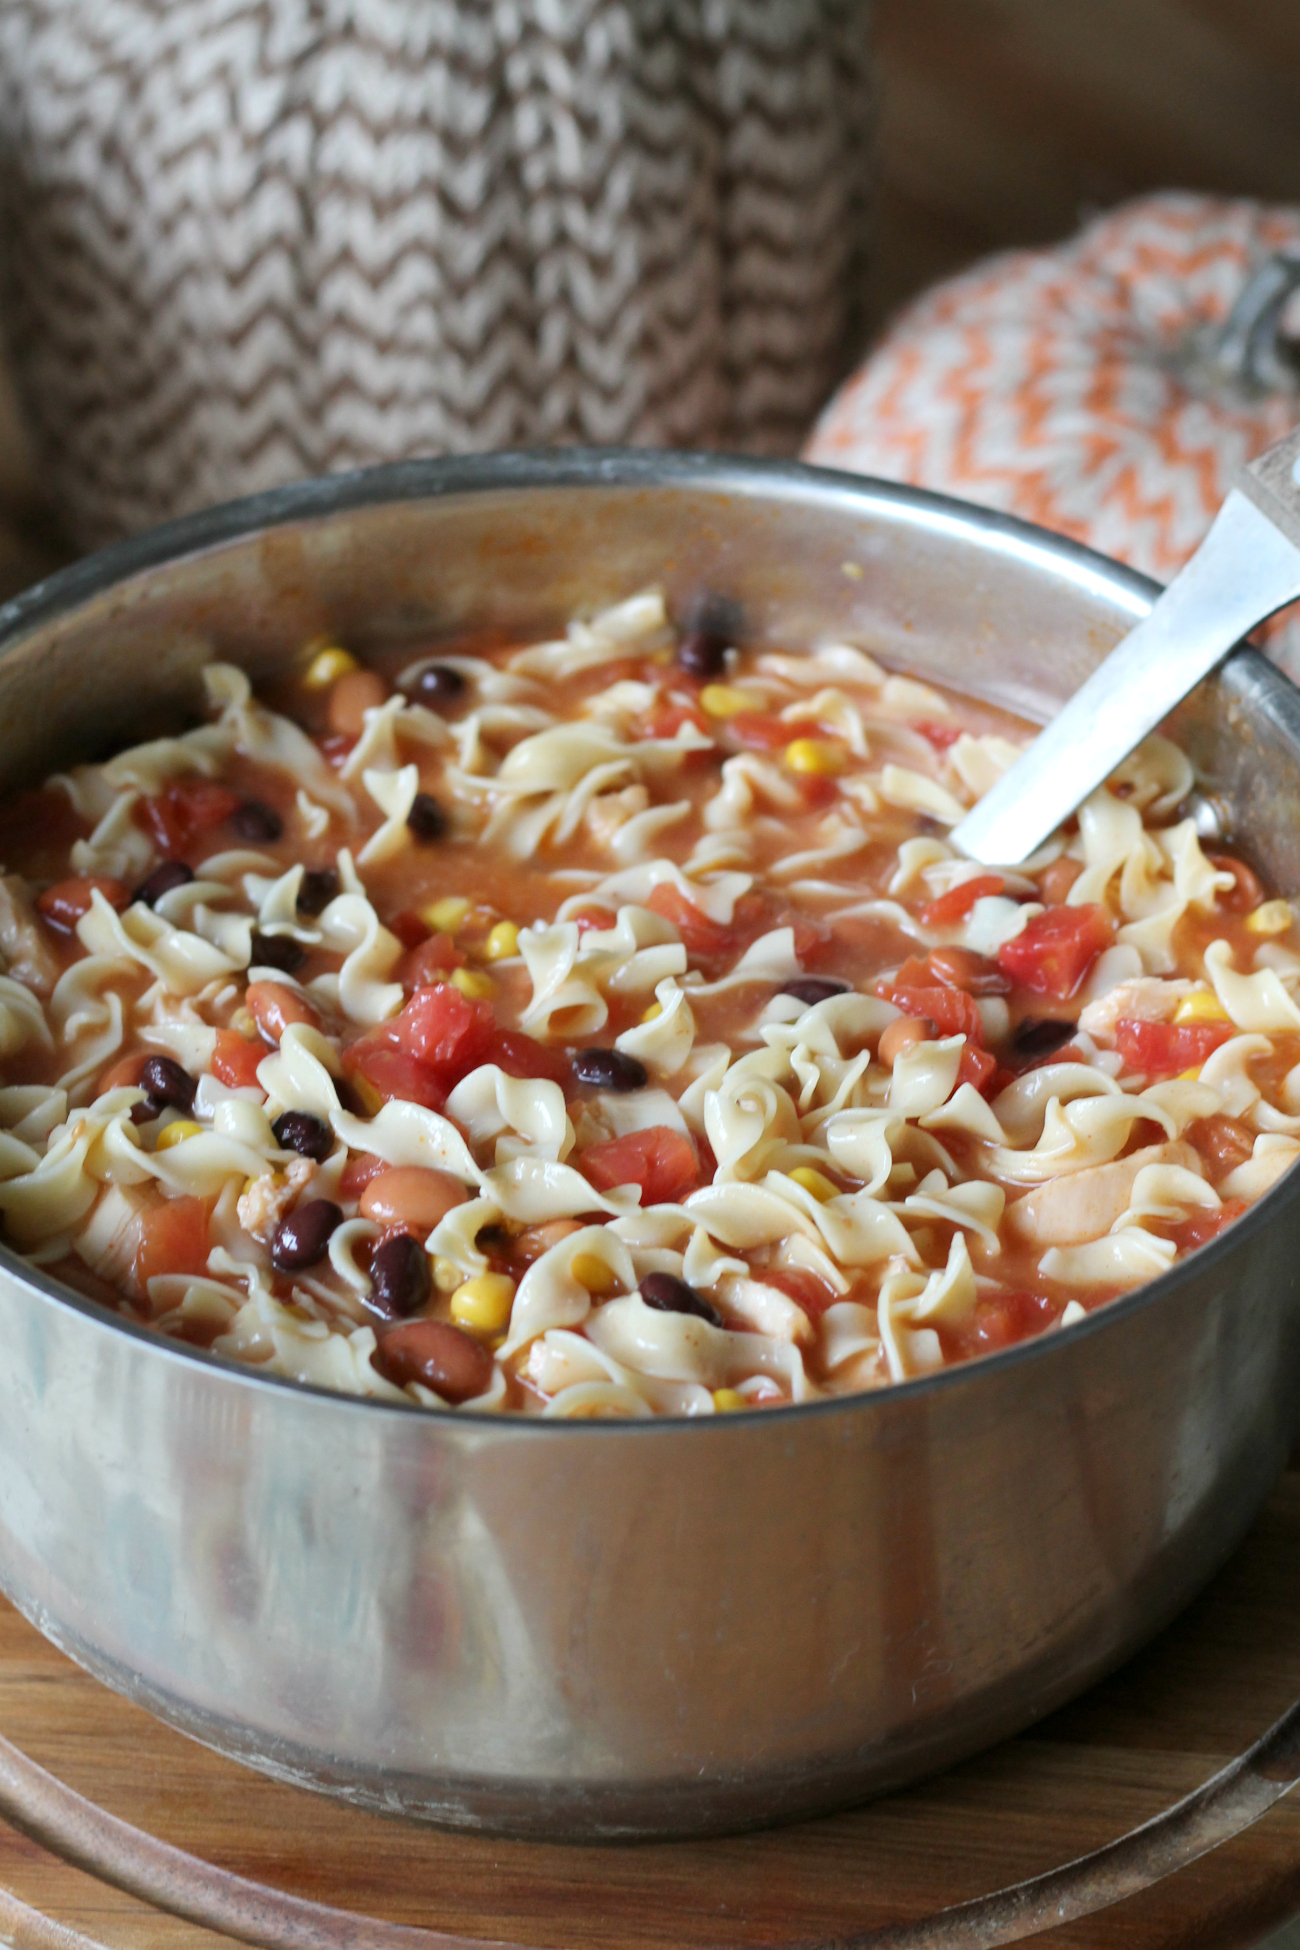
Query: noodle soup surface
x,y
606,1027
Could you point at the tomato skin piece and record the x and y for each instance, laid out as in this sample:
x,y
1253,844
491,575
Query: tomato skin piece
x,y
173,1238
395,1075
1167,1048
1055,949
660,1160
804,1288
952,1011
235,1060
1000,1320
520,1055
957,903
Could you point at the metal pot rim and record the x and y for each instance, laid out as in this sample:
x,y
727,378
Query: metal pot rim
x,y
575,468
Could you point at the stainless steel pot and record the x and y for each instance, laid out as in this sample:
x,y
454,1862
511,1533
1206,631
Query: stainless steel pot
x,y
613,1629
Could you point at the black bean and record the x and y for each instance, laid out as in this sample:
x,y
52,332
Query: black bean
x,y
166,1084
1039,1035
399,1277
608,1069
298,1130
145,1111
426,818
814,988
165,876
349,1097
317,889
702,654
669,1295
277,951
438,684
302,1237
256,821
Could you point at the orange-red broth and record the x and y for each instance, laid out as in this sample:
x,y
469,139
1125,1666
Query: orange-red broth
x,y
38,828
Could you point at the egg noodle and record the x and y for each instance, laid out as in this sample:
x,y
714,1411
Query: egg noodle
x,y
606,1027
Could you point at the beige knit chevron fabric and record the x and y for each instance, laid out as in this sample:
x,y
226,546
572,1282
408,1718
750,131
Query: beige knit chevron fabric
x,y
251,240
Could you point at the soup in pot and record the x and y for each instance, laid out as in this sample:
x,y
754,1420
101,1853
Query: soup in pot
x,y
606,1026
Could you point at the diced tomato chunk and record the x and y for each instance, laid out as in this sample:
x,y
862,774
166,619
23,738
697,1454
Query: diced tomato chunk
x,y
816,789
1164,1049
941,736
442,1029
759,733
670,714
188,807
977,1067
952,1011
432,961
235,1059
1198,1228
1000,1320
173,1238
1055,949
594,919
523,1056
63,904
701,935
957,903
396,1076
660,1160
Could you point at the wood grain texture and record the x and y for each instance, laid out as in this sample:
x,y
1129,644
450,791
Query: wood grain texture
x,y
1132,1746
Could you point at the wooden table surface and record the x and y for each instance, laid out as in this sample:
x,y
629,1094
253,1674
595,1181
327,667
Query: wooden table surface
x,y
1199,1696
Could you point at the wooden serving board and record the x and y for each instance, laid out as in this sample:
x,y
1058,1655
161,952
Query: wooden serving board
x,y
136,1837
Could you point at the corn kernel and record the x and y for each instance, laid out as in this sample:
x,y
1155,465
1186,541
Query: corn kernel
x,y
446,1275
502,942
483,1304
724,701
728,1400
244,1023
472,983
367,1096
446,915
654,1012
817,756
327,666
1200,1007
816,1182
184,1127
1274,917
1189,1076
590,1270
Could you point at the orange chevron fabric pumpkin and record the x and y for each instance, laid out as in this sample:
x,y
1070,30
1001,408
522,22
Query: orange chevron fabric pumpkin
x,y
1095,388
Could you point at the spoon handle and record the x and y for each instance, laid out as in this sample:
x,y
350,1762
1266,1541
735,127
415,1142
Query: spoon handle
x,y
1247,567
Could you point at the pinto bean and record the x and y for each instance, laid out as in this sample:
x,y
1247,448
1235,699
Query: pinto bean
x,y
411,1195
444,1358
63,904
1055,882
533,1241
124,1072
355,694
903,1033
274,1006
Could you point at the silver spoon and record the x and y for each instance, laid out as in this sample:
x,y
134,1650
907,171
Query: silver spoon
x,y
1247,567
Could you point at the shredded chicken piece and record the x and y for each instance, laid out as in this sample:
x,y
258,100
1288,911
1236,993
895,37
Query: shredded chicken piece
x,y
270,1196
1083,1205
110,1238
26,952
1149,998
